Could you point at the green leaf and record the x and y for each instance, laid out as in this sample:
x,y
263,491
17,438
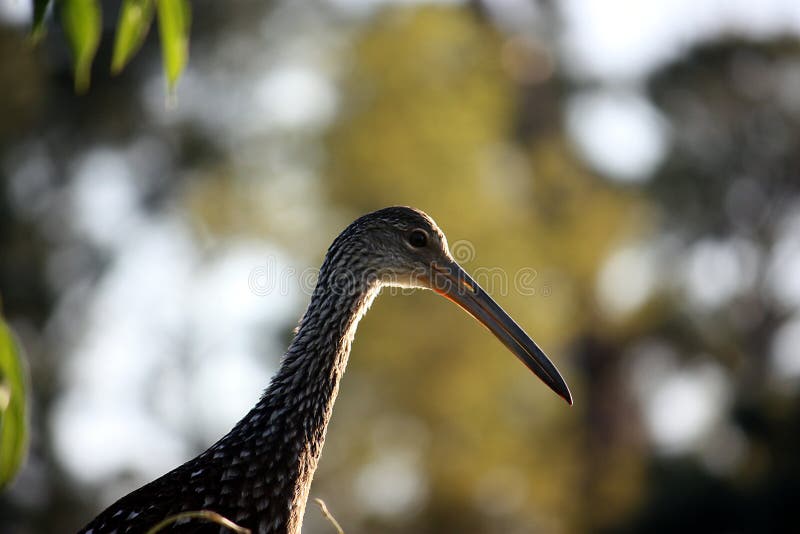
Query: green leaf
x,y
82,23
39,11
134,22
13,423
173,24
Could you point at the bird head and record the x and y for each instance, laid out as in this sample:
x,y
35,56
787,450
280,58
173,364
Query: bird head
x,y
402,246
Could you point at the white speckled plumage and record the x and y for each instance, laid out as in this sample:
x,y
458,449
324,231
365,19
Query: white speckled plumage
x,y
259,474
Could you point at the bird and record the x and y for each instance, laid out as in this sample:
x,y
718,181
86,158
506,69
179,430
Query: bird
x,y
258,475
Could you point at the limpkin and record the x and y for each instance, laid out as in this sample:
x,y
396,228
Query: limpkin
x,y
259,474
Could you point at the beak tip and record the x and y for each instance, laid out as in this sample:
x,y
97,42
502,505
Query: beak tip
x,y
565,394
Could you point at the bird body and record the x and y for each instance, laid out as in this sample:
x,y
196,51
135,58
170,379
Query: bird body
x,y
259,474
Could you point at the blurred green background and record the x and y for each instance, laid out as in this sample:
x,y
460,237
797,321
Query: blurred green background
x,y
622,176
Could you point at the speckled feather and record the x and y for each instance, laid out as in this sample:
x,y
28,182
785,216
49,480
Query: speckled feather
x,y
259,474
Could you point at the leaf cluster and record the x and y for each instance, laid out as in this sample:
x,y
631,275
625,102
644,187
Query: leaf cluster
x,y
82,22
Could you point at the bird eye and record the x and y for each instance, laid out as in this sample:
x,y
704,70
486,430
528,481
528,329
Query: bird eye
x,y
418,239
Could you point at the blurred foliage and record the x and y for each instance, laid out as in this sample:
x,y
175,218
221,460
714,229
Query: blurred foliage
x,y
13,399
734,168
83,20
441,109
173,25
135,17
40,8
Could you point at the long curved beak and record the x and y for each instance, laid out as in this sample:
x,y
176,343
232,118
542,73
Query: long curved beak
x,y
453,283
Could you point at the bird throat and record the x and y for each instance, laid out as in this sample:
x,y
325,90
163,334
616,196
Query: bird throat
x,y
288,425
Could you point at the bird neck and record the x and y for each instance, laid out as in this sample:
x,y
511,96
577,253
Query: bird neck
x,y
322,343
291,419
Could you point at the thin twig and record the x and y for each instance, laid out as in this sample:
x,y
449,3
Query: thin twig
x,y
206,515
327,515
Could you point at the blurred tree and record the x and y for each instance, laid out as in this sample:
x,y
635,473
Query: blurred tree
x,y
429,121
732,176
